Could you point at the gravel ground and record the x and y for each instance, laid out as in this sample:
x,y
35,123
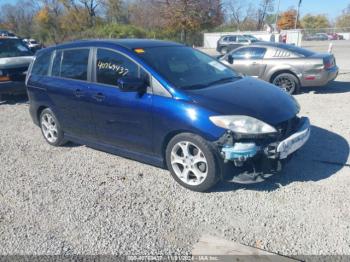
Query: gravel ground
x,y
76,200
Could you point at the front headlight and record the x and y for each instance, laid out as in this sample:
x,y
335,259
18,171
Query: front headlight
x,y
243,124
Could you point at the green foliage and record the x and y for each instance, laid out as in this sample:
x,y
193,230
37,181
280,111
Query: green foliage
x,y
315,21
343,21
115,31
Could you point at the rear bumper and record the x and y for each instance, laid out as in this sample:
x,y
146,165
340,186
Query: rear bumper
x,y
321,78
13,88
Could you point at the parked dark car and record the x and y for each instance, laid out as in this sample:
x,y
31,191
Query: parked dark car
x,y
316,37
165,104
15,58
287,66
228,43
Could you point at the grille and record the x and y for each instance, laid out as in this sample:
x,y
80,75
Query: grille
x,y
287,128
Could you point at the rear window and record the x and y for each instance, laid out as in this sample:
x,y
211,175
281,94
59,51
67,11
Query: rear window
x,y
41,64
13,48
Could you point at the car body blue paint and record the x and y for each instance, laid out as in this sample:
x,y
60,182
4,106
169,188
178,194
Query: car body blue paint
x,y
138,126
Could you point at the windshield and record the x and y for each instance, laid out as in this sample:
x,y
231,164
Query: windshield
x,y
186,68
13,48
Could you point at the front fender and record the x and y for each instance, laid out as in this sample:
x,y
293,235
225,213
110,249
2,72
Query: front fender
x,y
172,116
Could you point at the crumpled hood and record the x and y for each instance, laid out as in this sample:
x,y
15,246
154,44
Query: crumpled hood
x,y
247,96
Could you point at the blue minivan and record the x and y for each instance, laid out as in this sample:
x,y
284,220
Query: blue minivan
x,y
167,105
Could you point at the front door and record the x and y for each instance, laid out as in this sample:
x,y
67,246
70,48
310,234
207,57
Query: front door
x,y
122,119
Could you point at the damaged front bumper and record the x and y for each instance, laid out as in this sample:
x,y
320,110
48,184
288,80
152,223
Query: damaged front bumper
x,y
252,160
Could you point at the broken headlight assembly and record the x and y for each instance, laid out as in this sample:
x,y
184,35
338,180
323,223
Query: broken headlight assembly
x,y
244,125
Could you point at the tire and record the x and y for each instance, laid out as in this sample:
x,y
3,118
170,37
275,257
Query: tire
x,y
288,82
198,169
51,128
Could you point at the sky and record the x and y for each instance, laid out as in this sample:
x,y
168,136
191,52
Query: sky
x,y
332,8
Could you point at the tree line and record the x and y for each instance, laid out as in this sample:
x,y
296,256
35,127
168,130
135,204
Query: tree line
x,y
54,21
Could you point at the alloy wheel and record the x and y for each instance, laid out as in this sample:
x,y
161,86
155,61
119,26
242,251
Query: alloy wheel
x,y
285,83
189,163
49,127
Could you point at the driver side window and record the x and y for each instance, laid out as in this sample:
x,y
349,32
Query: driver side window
x,y
249,53
242,39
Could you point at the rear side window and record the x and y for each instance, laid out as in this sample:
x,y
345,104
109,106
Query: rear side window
x,y
41,64
71,64
232,39
110,66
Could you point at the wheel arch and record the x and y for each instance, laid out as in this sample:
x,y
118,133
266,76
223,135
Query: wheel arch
x,y
174,133
38,112
167,139
283,71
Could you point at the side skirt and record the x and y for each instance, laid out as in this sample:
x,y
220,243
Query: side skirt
x,y
140,157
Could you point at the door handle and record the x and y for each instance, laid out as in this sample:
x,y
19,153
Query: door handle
x,y
99,97
78,93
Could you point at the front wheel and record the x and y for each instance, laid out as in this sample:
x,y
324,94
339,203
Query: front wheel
x,y
287,82
192,162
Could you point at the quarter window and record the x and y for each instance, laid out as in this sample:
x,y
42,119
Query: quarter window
x,y
41,64
74,64
110,66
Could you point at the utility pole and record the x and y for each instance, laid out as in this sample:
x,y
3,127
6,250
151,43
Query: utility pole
x,y
277,14
297,18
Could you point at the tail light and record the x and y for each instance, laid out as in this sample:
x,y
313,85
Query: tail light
x,y
328,62
3,76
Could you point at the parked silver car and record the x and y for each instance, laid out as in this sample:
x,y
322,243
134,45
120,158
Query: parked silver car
x,y
287,66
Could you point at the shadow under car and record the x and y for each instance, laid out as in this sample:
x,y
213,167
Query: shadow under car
x,y
334,87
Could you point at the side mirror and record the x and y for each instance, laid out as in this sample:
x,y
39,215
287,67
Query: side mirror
x,y
131,84
230,59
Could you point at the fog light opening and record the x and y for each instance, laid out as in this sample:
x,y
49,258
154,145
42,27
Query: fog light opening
x,y
239,152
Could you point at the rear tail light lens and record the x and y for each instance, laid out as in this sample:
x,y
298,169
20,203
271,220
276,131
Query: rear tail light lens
x,y
3,76
328,63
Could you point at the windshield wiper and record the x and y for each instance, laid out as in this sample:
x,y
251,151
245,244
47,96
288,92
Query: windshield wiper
x,y
220,81
223,80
